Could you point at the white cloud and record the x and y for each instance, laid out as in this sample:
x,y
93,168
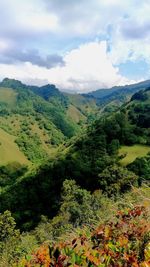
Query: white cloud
x,y
86,68
41,22
133,49
26,17
130,36
55,26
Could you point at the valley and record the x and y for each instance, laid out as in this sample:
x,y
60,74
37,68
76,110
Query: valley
x,y
68,161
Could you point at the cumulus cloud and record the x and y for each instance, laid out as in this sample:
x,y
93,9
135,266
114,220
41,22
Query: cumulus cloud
x,y
130,43
86,68
130,36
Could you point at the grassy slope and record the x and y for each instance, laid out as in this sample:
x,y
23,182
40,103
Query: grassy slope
x,y
133,152
8,96
21,122
83,104
26,124
13,124
9,150
75,114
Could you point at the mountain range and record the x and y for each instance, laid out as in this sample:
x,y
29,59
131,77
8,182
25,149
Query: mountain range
x,y
36,120
89,157
74,176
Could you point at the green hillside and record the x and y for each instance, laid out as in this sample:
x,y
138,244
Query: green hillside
x,y
86,105
9,150
75,114
39,118
121,93
42,118
8,96
92,189
92,160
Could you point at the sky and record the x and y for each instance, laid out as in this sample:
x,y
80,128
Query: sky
x,y
78,45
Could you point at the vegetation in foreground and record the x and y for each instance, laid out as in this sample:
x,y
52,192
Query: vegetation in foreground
x,y
89,230
121,242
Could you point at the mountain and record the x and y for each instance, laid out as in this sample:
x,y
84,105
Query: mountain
x,y
88,204
35,124
111,98
92,159
131,89
37,119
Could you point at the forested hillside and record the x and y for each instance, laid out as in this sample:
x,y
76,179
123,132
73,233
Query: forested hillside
x,y
92,160
92,193
38,119
120,92
111,98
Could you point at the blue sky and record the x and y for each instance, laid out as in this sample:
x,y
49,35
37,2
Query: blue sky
x,y
79,45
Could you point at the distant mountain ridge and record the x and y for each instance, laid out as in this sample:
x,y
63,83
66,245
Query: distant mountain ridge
x,y
131,88
110,99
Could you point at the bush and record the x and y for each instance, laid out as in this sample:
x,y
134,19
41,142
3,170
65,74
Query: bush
x,y
121,242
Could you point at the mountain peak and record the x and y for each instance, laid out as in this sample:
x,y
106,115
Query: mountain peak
x,y
12,83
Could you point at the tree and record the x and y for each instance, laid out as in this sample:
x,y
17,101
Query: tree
x,y
76,202
116,179
7,228
141,167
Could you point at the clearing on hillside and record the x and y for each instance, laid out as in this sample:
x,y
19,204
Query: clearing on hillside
x,y
133,152
75,114
9,150
8,96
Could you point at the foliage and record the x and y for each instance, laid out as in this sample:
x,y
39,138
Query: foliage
x,y
7,228
141,166
10,172
116,179
32,149
13,245
78,207
139,112
121,242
